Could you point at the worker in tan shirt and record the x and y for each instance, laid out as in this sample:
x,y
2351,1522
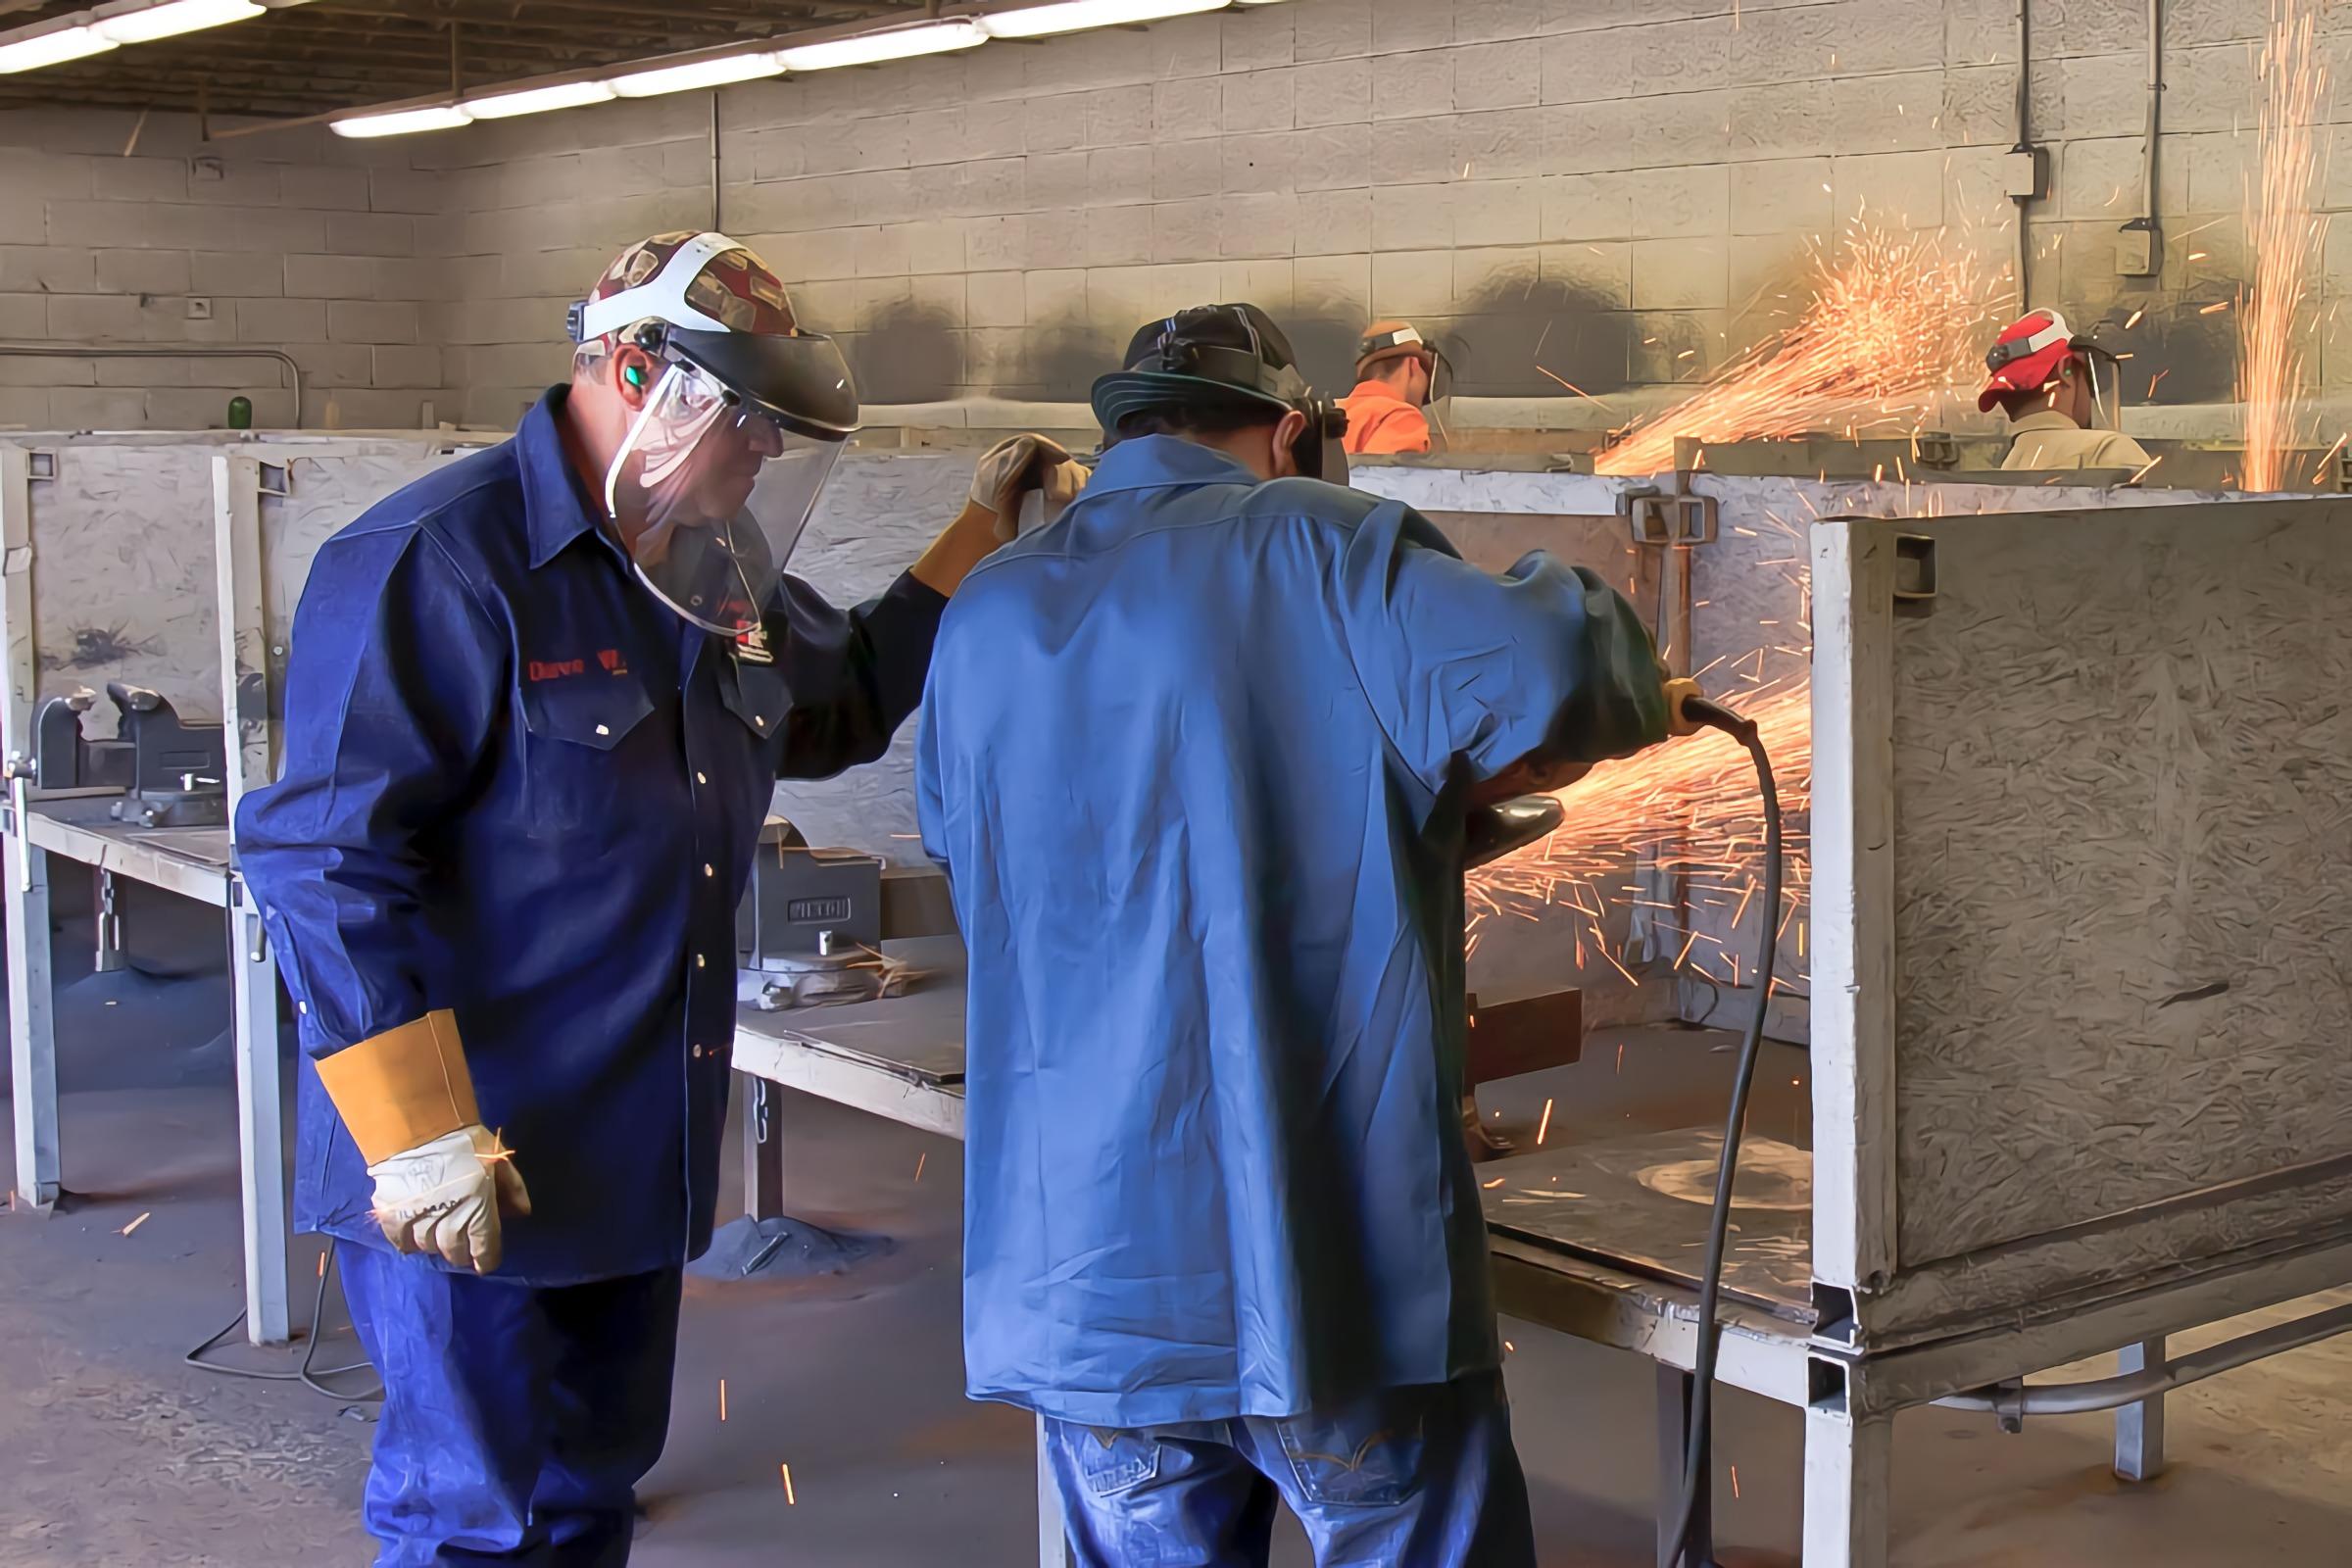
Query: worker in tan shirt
x,y
2059,391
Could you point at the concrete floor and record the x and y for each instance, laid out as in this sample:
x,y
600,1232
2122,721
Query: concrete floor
x,y
117,1454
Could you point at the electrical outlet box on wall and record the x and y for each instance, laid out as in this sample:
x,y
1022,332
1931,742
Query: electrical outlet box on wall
x,y
2025,174
2138,249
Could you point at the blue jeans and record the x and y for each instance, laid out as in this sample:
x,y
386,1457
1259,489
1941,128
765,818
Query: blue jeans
x,y
516,1420
1407,1478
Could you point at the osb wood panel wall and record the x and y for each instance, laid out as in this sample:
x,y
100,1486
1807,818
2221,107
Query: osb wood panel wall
x,y
323,493
2123,864
1751,622
122,576
874,517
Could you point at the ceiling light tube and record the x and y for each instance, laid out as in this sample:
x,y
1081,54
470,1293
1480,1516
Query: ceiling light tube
x,y
52,49
537,100
173,18
896,43
717,72
1068,16
401,122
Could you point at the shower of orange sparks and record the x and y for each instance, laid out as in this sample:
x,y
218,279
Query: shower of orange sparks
x,y
1893,325
1693,804
2285,234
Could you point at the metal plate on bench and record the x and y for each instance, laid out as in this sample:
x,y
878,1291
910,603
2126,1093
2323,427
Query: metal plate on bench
x,y
917,1034
1642,1203
207,845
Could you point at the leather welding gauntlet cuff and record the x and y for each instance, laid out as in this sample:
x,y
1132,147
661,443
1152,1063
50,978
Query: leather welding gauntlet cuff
x,y
403,1088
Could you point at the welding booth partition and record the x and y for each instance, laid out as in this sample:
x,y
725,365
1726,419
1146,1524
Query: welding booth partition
x,y
2076,852
2078,866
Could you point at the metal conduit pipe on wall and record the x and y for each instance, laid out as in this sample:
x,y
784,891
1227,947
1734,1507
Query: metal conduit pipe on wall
x,y
2147,193
2141,250
2018,1400
2025,76
130,351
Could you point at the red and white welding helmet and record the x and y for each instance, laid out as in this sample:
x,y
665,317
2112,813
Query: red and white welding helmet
x,y
729,446
2027,356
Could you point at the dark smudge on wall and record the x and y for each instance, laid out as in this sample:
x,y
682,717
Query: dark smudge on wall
x,y
909,354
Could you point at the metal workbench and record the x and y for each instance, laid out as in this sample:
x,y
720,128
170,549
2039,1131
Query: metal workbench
x,y
193,862
1601,1241
220,583
900,1058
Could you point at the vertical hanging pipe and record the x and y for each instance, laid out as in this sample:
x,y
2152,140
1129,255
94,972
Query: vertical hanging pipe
x,y
2147,188
2025,76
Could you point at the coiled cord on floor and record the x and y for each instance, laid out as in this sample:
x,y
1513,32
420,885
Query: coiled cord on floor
x,y
1710,1287
306,1374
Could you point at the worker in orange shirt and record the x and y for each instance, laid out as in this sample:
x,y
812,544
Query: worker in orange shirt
x,y
1393,368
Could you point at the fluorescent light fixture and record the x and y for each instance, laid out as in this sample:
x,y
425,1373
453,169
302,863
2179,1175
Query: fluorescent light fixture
x,y
537,100
401,122
1036,21
173,19
52,49
696,74
896,43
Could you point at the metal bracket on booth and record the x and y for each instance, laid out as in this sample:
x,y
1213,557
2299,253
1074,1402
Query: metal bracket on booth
x,y
1657,519
1935,449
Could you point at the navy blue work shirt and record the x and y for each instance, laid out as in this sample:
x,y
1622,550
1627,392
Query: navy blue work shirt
x,y
517,786
1199,783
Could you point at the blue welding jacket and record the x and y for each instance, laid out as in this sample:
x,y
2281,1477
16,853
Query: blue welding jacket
x,y
1194,757
517,786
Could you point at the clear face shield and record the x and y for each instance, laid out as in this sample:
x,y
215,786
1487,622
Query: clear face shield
x,y
2105,376
712,486
1437,403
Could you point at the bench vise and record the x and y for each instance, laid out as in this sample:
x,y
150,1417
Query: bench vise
x,y
170,773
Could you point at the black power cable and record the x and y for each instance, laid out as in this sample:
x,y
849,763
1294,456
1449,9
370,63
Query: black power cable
x,y
306,1374
1710,1287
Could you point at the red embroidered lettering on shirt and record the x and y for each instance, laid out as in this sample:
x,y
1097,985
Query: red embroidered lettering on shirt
x,y
613,663
556,670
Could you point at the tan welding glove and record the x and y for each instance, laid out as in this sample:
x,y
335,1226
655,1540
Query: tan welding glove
x,y
405,1096
446,1196
1020,464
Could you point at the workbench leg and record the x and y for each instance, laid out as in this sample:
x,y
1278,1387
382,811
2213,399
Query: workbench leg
x,y
1053,1546
31,1025
2140,1428
1674,1438
763,1148
1848,1470
260,1129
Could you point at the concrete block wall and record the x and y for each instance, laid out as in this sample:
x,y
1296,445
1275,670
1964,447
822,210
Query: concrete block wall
x,y
297,240
1623,193
1619,193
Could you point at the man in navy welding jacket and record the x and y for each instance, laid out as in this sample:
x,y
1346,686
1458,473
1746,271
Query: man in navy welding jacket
x,y
1203,805
536,704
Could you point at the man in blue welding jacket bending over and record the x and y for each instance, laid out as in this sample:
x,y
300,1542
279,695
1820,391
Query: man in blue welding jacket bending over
x,y
1203,805
536,706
